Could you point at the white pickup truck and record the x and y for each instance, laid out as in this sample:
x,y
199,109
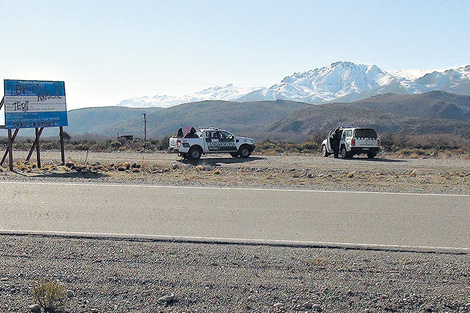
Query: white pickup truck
x,y
211,140
354,140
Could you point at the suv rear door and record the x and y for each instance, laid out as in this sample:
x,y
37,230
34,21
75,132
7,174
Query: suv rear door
x,y
346,137
365,137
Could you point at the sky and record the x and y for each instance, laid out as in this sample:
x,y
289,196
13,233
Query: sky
x,y
110,50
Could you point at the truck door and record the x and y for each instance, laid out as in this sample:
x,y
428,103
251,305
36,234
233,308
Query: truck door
x,y
328,143
227,142
212,140
346,139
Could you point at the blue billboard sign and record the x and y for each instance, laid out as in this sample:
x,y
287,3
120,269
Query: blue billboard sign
x,y
34,104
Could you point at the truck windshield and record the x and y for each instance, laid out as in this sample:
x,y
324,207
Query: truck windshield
x,y
365,133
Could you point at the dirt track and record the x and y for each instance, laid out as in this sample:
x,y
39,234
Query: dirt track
x,y
285,171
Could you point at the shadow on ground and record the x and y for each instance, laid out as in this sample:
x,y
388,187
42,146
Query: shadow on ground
x,y
78,174
218,161
378,160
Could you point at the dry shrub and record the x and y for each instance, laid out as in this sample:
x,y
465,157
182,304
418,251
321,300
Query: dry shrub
x,y
320,261
49,294
429,142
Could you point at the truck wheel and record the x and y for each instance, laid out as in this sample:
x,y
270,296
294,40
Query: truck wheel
x,y
344,153
324,151
234,154
195,153
244,151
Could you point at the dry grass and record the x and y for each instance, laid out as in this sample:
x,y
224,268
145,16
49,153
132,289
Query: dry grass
x,y
294,171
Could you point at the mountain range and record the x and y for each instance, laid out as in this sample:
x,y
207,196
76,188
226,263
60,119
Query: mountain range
x,y
338,82
302,104
427,113
227,93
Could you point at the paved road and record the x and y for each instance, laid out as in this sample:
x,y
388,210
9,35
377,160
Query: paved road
x,y
313,216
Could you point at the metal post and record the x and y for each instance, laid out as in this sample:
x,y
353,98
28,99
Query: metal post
x,y
38,150
10,150
62,146
145,126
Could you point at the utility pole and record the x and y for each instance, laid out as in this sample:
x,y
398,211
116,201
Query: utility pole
x,y
145,126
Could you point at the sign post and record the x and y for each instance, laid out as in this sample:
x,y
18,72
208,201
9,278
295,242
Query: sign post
x,y
62,145
10,150
34,104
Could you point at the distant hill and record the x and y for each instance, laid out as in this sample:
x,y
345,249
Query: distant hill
x,y
101,120
241,118
434,104
433,112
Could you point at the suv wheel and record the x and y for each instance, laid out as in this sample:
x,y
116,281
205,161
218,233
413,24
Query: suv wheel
x,y
324,152
244,152
195,153
344,153
234,154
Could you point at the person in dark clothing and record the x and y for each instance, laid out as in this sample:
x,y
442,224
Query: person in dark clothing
x,y
335,138
191,134
180,133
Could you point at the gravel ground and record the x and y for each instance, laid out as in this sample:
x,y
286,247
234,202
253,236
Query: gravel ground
x,y
142,276
131,276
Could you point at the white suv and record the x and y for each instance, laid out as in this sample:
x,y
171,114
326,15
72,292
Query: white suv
x,y
354,140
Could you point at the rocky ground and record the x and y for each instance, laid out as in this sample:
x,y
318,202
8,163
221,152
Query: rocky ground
x,y
145,276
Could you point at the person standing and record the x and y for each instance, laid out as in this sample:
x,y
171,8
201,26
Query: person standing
x,y
335,138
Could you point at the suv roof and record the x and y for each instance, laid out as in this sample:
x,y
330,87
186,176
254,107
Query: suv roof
x,y
354,127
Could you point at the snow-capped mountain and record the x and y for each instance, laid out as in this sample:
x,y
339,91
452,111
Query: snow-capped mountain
x,y
326,84
347,82
455,80
228,93
340,81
